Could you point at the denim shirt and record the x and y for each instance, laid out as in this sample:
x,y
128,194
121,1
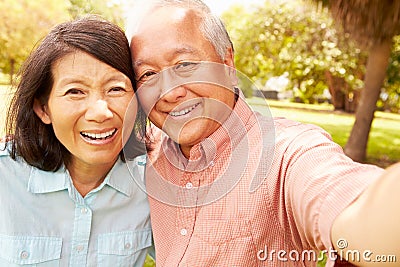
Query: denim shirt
x,y
44,221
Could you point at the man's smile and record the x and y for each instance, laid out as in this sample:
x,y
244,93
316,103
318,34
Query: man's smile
x,y
183,111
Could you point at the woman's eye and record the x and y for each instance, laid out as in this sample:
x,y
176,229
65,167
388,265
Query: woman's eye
x,y
73,91
117,89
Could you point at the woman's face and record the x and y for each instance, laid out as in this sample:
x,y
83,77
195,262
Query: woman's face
x,y
86,108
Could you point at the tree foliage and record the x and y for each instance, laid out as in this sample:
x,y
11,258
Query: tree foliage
x,y
390,95
110,10
373,24
307,44
23,23
368,22
297,39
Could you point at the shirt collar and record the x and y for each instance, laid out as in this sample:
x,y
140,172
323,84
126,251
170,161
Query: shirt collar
x,y
41,182
205,153
231,132
126,176
121,177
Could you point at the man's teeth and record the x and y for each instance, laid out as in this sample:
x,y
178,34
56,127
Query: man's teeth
x,y
183,112
99,135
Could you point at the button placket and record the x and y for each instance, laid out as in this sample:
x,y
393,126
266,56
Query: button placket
x,y
84,210
183,232
24,255
81,234
185,216
189,185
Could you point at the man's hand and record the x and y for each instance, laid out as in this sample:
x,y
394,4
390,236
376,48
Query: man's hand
x,y
367,233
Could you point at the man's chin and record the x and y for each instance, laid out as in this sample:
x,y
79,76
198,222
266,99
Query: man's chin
x,y
186,136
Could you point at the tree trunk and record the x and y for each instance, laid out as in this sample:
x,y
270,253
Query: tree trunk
x,y
12,70
351,101
336,87
377,64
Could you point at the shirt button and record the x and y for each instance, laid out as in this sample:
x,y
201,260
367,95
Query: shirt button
x,y
24,254
183,232
189,185
212,163
84,210
79,248
128,245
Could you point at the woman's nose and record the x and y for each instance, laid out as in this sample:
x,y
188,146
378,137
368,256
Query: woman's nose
x,y
98,111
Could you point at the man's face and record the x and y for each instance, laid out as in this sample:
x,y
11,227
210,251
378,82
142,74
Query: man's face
x,y
182,95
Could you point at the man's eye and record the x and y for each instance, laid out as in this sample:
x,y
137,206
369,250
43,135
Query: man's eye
x,y
146,76
187,65
186,68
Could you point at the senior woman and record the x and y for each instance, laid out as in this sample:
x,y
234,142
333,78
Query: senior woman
x,y
68,196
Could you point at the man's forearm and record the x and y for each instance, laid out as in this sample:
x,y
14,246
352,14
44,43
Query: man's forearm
x,y
367,233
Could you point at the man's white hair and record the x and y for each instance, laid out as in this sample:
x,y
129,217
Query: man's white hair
x,y
211,26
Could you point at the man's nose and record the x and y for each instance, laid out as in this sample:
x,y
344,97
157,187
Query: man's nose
x,y
172,87
98,111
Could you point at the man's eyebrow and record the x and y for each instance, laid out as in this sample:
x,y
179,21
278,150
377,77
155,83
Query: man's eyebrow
x,y
176,52
138,63
183,50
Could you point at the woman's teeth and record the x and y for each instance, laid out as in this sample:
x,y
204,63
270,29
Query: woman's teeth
x,y
184,111
99,136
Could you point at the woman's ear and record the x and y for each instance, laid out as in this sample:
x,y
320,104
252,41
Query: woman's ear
x,y
41,111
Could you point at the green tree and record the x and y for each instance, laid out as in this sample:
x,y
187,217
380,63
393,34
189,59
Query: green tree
x,y
373,24
390,94
23,23
294,38
110,10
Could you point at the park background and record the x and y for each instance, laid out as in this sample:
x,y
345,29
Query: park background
x,y
334,63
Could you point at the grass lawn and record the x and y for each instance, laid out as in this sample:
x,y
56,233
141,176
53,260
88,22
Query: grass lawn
x,y
384,141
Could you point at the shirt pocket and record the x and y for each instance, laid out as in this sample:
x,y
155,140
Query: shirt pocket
x,y
30,251
122,248
225,242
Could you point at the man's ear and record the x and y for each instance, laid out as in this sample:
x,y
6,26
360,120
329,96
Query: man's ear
x,y
41,111
229,60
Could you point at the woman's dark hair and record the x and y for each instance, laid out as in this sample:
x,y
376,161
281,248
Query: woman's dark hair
x,y
35,141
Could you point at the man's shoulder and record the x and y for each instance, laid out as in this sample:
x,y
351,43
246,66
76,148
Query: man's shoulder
x,y
292,127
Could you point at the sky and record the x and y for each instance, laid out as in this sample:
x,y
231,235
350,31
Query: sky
x,y
219,6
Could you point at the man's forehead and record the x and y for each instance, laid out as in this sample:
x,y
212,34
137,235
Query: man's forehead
x,y
180,49
174,15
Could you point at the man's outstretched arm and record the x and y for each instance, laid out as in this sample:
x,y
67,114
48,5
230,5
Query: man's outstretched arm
x,y
367,233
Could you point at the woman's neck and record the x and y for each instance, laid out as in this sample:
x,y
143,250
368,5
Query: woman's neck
x,y
87,177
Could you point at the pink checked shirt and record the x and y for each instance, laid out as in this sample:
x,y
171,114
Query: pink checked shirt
x,y
257,192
